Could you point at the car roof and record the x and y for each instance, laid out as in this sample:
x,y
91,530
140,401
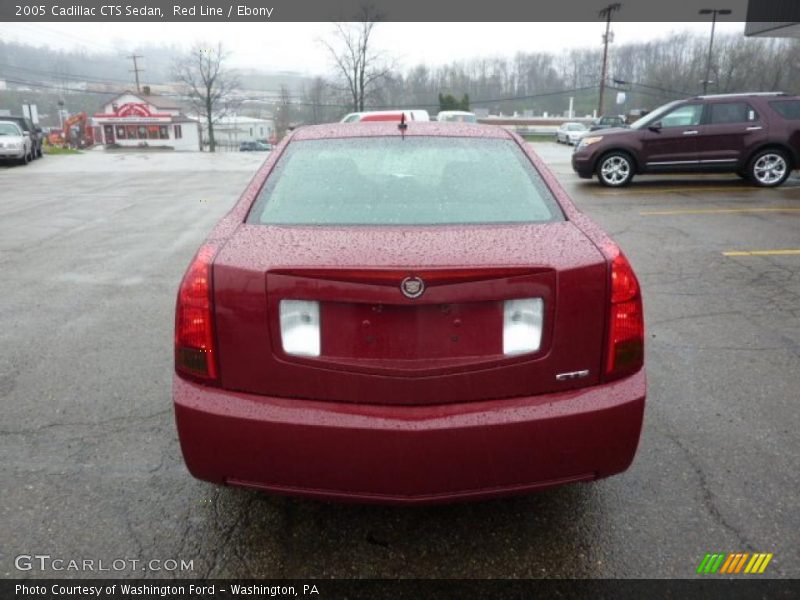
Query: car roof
x,y
387,129
740,95
9,121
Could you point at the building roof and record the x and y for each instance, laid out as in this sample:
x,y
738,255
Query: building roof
x,y
162,102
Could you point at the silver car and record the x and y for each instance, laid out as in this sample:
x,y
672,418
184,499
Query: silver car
x,y
571,133
15,144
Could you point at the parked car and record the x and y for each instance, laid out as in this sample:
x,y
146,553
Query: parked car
x,y
607,122
254,147
407,316
35,133
756,136
386,115
456,116
571,133
15,144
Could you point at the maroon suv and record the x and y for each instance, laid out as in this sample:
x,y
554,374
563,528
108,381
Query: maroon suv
x,y
754,135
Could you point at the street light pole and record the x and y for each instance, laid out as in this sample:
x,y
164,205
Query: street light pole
x,y
713,12
606,14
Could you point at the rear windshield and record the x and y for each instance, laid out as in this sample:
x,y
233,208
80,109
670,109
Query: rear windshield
x,y
411,181
788,109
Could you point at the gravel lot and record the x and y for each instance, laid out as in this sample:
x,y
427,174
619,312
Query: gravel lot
x,y
92,247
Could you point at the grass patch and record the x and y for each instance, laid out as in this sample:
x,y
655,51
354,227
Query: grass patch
x,y
59,150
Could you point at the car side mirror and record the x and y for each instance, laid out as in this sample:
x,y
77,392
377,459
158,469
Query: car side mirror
x,y
656,127
26,133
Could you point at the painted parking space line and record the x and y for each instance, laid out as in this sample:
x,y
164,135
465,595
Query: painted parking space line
x,y
789,252
677,190
720,211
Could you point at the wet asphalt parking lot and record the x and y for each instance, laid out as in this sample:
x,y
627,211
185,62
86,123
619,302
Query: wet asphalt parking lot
x,y
92,248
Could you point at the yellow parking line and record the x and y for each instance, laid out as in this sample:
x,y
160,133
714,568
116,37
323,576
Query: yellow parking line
x,y
762,253
718,211
677,190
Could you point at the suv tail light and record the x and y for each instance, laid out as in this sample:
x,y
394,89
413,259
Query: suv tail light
x,y
625,350
195,355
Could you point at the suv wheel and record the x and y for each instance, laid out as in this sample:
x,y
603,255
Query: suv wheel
x,y
615,169
769,168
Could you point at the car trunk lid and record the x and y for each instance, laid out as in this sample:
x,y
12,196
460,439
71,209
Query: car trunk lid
x,y
380,346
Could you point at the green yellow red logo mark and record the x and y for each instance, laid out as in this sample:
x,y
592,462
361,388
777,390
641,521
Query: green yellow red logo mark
x,y
734,563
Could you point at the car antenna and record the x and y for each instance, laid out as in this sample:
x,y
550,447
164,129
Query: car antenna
x,y
403,125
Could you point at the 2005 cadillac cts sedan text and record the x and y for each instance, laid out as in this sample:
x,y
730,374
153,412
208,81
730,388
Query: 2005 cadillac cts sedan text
x,y
407,314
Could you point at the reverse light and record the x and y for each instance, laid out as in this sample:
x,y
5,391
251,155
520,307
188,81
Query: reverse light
x,y
625,350
522,325
195,355
300,331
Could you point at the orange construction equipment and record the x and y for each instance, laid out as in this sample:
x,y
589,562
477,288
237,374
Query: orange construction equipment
x,y
77,131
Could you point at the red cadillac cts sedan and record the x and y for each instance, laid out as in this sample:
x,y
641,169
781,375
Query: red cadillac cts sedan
x,y
407,315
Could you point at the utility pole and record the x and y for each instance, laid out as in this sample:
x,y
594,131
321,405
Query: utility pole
x,y
713,12
136,69
606,14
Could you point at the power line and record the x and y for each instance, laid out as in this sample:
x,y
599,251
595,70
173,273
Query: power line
x,y
58,88
297,102
92,46
65,75
653,87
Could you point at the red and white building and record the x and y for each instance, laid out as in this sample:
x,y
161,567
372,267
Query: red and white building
x,y
138,120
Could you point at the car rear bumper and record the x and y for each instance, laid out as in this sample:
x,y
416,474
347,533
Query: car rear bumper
x,y
408,454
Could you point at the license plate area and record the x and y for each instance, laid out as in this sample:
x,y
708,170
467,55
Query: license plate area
x,y
403,332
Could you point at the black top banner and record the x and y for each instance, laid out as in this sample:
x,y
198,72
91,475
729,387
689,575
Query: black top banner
x,y
389,10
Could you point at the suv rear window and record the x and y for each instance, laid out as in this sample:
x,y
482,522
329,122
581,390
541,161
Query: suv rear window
x,y
731,112
411,181
788,109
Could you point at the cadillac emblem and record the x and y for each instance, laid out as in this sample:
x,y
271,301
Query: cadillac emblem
x,y
412,287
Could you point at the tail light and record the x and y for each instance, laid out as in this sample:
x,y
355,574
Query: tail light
x,y
625,351
195,354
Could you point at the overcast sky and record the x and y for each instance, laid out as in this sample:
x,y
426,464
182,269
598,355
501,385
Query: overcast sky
x,y
295,46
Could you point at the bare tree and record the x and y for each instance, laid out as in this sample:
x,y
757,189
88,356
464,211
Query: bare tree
x,y
360,66
283,116
208,84
314,98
